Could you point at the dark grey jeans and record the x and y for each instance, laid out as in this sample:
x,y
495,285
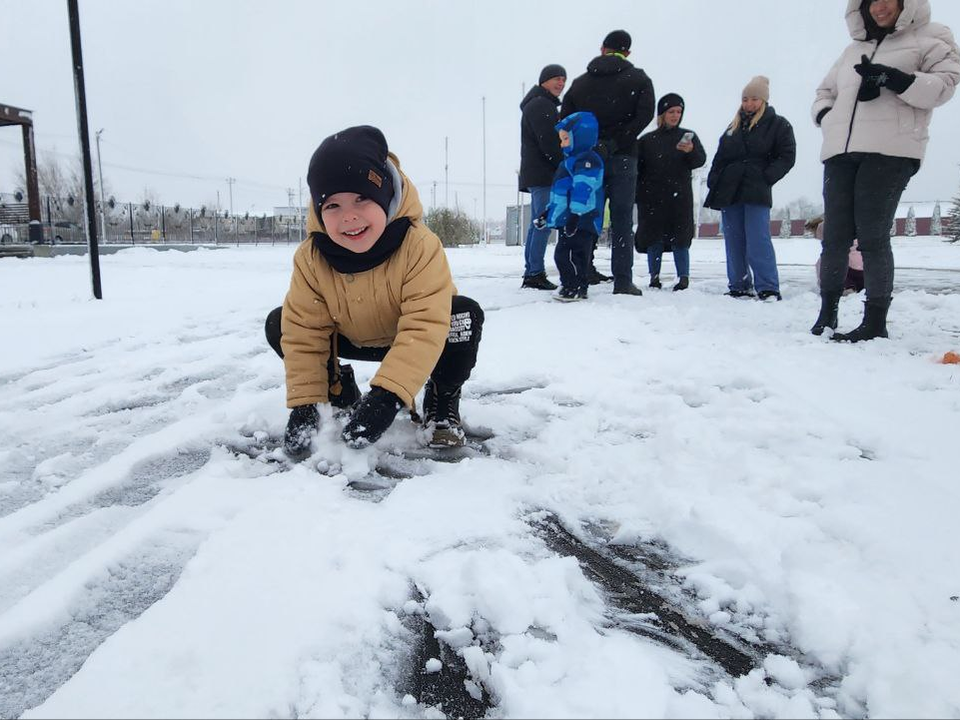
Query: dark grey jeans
x,y
620,185
861,192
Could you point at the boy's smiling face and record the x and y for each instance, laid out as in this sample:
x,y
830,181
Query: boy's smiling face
x,y
353,221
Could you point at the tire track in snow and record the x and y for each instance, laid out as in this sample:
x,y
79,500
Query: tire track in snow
x,y
32,668
56,545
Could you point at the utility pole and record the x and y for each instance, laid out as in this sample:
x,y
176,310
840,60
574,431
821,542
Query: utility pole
x,y
90,214
446,172
290,193
484,104
230,182
433,196
103,221
300,211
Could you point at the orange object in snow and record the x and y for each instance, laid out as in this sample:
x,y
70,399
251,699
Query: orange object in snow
x,y
951,358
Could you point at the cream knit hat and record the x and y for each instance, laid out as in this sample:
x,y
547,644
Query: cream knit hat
x,y
758,87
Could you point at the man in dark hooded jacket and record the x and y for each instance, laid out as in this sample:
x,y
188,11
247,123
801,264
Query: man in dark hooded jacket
x,y
621,97
540,155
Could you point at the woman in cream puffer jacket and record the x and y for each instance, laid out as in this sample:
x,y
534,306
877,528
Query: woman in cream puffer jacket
x,y
874,107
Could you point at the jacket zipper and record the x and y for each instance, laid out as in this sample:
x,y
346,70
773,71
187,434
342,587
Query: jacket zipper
x,y
856,104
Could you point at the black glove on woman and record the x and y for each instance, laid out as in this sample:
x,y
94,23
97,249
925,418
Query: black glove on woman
x,y
301,426
372,417
876,76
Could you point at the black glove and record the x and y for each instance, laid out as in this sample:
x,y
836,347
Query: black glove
x,y
570,227
822,114
541,222
876,76
301,426
372,417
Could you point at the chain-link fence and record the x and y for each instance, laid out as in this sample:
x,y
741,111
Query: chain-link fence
x,y
145,224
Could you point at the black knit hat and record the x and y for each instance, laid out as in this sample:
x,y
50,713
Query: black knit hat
x,y
352,160
618,40
668,101
550,72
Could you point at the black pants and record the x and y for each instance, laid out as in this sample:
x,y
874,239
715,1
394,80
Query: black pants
x,y
456,361
861,192
572,258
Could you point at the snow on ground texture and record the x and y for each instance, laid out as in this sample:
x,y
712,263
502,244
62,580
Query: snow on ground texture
x,y
809,488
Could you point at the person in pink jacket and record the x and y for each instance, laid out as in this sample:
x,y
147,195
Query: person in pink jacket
x,y
854,280
874,107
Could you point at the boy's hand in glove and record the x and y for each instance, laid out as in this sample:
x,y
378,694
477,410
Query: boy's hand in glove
x,y
372,417
541,222
301,426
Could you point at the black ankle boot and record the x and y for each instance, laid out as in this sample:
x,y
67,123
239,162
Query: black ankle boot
x,y
829,306
655,282
441,415
874,323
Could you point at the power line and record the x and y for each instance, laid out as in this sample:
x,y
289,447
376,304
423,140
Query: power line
x,y
239,181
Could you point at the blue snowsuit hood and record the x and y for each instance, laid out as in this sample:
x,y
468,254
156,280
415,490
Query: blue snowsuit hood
x,y
584,132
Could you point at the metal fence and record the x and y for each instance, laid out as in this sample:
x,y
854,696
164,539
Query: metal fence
x,y
146,224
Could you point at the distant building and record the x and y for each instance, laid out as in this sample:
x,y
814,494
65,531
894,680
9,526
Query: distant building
x,y
289,214
923,217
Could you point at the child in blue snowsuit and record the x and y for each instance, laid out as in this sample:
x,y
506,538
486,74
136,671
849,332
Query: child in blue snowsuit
x,y
576,203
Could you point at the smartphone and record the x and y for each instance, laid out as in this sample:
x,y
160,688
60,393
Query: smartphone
x,y
687,137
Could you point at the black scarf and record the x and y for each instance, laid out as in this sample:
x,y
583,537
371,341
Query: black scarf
x,y
345,261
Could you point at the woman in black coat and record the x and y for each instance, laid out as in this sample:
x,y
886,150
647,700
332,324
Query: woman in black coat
x,y
667,158
755,153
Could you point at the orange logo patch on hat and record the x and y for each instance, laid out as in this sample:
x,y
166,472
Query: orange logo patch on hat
x,y
375,179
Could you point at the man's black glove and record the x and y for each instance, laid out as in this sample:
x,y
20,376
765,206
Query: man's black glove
x,y
876,76
372,417
570,227
541,222
301,426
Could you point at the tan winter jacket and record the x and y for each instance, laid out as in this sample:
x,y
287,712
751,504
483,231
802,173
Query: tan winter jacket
x,y
403,304
894,125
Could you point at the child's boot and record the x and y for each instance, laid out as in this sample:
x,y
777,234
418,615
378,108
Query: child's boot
x,y
441,416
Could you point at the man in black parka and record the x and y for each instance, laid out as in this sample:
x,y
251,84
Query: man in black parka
x,y
540,155
621,96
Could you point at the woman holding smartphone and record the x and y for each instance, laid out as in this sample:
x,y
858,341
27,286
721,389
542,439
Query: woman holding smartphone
x,y
667,158
755,153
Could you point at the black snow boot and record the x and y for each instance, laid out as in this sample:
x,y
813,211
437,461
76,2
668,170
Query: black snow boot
x,y
595,277
441,416
655,282
538,282
874,323
344,392
829,307
682,285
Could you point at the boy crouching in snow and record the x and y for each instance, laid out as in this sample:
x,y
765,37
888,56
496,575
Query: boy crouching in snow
x,y
371,282
576,203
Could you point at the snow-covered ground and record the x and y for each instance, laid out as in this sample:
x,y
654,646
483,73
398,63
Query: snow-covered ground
x,y
806,491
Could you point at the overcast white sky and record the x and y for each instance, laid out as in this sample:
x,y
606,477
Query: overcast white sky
x,y
247,89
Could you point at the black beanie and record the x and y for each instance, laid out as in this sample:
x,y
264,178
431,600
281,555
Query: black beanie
x,y
550,72
668,101
618,40
352,160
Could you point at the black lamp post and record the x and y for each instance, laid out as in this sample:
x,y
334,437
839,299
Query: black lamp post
x,y
90,210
